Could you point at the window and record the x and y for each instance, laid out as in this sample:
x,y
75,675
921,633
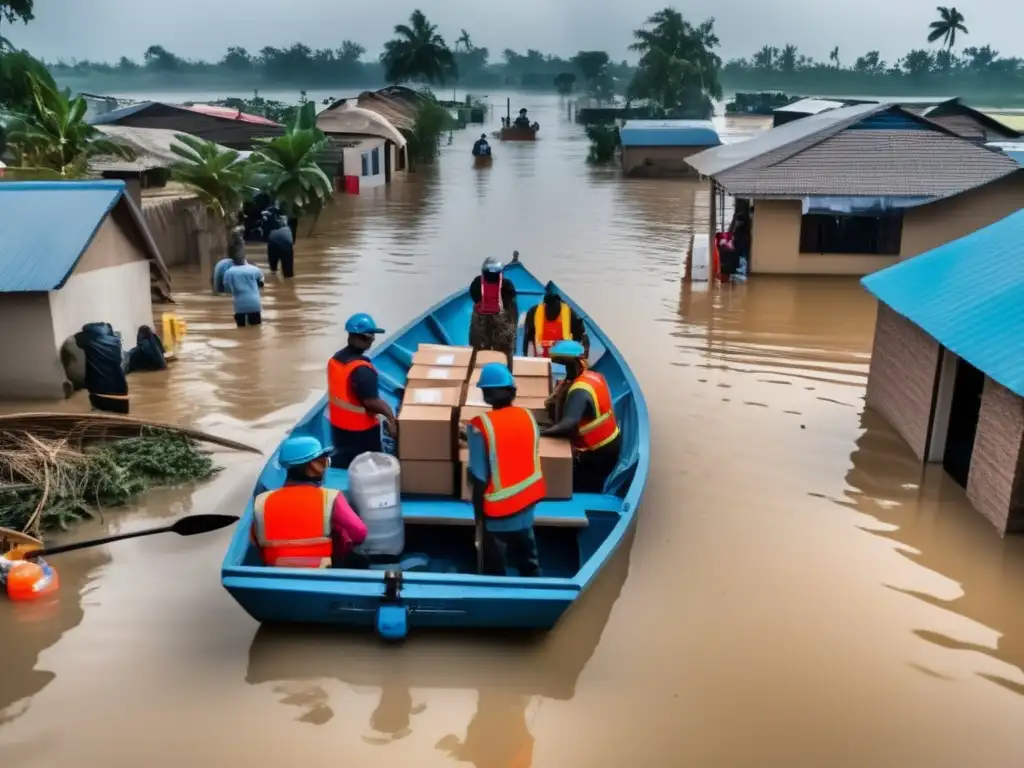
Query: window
x,y
366,163
375,157
824,233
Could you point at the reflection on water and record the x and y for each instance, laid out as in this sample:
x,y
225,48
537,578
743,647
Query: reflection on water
x,y
795,578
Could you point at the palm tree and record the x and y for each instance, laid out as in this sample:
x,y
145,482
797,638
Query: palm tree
x,y
417,51
834,56
678,69
465,41
950,22
51,139
288,165
215,174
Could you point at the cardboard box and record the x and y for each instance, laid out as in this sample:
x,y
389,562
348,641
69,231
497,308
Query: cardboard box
x,y
556,464
531,366
533,404
426,433
430,478
533,386
450,357
421,376
469,412
465,491
485,356
420,394
442,347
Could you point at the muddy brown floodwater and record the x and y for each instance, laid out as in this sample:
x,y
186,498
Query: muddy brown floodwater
x,y
796,593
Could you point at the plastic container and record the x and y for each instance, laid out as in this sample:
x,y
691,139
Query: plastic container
x,y
375,483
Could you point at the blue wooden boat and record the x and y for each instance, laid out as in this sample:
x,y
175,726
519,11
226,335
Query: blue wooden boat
x,y
576,537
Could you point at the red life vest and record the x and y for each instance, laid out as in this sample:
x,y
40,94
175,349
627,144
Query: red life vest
x,y
490,298
343,410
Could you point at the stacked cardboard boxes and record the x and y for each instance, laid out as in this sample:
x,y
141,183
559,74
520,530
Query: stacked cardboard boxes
x,y
426,419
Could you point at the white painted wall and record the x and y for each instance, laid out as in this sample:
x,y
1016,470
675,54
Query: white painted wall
x,y
354,163
118,295
31,368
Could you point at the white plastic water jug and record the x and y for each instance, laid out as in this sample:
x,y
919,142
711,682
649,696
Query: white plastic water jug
x,y
375,484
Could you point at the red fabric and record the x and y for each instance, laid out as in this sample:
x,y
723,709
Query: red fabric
x,y
490,297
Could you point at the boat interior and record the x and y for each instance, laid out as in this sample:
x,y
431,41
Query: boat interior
x,y
439,532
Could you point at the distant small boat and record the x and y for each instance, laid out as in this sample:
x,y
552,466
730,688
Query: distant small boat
x,y
512,133
483,161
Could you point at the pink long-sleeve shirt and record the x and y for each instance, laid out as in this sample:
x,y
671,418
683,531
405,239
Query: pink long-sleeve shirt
x,y
348,528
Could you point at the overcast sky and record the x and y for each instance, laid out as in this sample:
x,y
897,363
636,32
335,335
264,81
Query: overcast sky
x,y
108,29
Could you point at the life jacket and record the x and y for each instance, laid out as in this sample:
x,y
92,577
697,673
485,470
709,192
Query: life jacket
x,y
547,332
292,526
343,410
513,447
490,298
599,431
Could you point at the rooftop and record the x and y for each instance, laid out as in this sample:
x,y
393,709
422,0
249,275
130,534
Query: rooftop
x,y
861,150
810,106
152,149
35,255
969,296
669,133
224,113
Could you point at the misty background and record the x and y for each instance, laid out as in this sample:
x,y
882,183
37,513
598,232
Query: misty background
x,y
105,30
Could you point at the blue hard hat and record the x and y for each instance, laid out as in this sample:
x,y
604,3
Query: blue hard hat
x,y
297,451
363,324
496,376
571,349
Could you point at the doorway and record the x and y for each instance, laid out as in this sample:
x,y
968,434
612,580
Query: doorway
x,y
389,151
965,408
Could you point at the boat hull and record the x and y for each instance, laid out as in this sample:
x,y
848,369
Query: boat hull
x,y
483,161
519,134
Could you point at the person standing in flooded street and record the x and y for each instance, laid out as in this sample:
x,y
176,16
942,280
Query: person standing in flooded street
x,y
244,281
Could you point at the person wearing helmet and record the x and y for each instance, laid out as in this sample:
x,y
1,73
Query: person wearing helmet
x,y
481,148
495,316
354,402
584,413
302,524
552,321
504,467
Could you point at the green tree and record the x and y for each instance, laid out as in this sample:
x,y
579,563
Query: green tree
x,y
678,67
833,56
870,63
418,51
17,71
216,175
765,57
918,63
432,120
159,59
237,59
980,59
594,66
788,59
950,22
52,137
565,82
15,10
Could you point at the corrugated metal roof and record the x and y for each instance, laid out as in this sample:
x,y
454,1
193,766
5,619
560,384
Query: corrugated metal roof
x,y
787,138
152,149
227,113
669,133
119,114
810,106
883,162
47,225
969,296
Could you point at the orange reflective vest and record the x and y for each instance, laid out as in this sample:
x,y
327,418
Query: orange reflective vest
x,y
513,447
603,428
547,332
292,526
343,410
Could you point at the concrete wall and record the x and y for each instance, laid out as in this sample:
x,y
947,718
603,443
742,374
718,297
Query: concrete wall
x,y
901,380
183,231
353,164
995,482
658,161
116,295
775,247
31,368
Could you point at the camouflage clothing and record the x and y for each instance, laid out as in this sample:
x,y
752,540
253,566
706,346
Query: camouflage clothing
x,y
494,332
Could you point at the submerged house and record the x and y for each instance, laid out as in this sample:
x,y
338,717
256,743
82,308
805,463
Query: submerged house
x,y
947,368
660,147
230,127
852,190
364,149
99,265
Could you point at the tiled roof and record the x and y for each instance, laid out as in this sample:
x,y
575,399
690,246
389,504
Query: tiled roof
x,y
969,296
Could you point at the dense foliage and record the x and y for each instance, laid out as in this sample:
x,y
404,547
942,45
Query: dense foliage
x,y
216,175
418,53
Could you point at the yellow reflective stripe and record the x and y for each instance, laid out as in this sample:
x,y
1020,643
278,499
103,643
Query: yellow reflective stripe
x,y
589,390
329,496
346,406
499,493
296,542
594,424
566,316
257,513
492,451
259,506
538,327
602,444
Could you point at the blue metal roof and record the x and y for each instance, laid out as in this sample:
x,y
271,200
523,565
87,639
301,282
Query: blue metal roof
x,y
1018,156
46,227
669,133
969,296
